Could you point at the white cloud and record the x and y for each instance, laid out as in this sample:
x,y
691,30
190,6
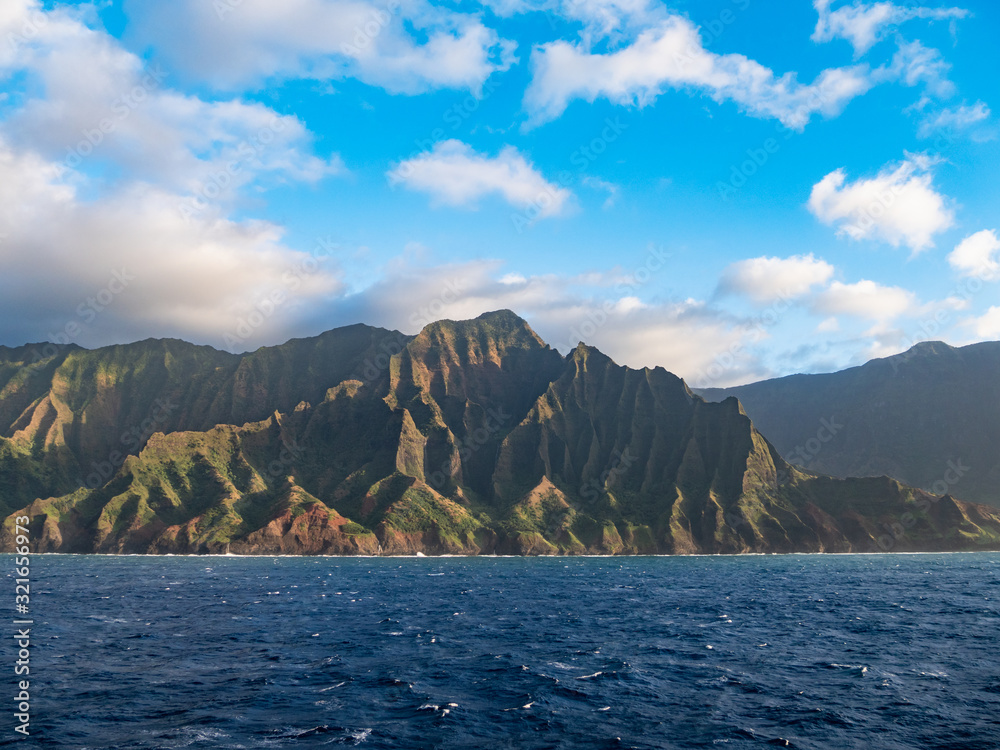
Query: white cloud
x,y
913,64
454,174
609,187
99,158
188,278
864,299
599,18
898,206
977,255
607,17
409,46
863,24
959,118
987,325
767,279
123,113
686,337
669,55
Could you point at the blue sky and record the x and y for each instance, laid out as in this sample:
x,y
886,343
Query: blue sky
x,y
731,189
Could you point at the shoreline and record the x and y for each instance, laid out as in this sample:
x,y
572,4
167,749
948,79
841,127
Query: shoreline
x,y
215,556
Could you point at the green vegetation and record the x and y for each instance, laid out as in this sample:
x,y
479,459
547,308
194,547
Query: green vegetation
x,y
473,436
929,417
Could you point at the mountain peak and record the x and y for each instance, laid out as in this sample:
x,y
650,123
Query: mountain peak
x,y
585,353
496,330
504,315
474,436
927,348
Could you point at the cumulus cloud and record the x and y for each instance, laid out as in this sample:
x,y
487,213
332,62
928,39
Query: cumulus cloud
x,y
863,24
670,55
408,46
456,175
987,325
914,64
600,308
955,119
125,113
196,279
864,299
898,206
109,230
767,279
977,255
598,19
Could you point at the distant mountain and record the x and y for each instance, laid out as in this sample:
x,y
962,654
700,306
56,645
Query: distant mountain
x,y
929,417
471,437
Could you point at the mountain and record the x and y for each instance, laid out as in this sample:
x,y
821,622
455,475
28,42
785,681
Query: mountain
x,y
471,437
929,417
69,416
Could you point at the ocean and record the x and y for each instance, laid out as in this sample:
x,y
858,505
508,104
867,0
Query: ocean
x,y
802,651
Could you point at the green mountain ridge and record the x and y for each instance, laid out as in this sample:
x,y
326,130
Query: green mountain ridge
x,y
473,437
929,417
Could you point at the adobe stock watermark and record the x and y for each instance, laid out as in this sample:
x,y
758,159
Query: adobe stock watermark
x,y
740,173
451,291
933,325
597,317
621,461
805,454
757,157
22,635
86,313
581,158
373,367
727,361
473,442
121,109
224,7
266,306
29,31
897,529
454,115
290,453
132,440
367,32
221,180
709,32
735,518
801,455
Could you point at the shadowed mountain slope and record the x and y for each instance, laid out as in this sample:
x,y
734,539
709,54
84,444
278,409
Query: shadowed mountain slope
x,y
471,437
929,417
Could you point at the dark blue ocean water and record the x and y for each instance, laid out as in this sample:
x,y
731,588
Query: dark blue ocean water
x,y
893,651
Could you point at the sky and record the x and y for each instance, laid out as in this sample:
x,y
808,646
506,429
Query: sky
x,y
730,189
